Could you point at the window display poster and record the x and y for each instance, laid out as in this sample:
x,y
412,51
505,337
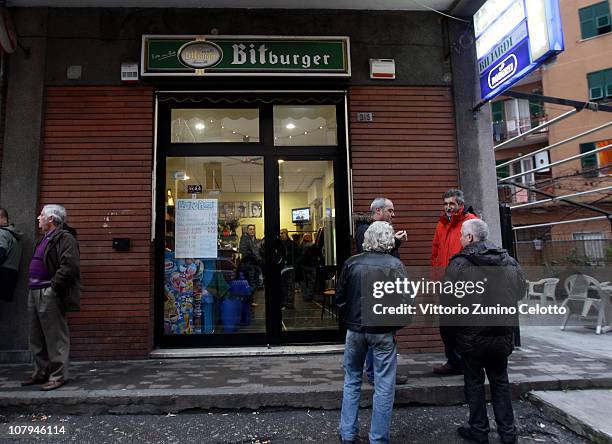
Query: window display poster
x,y
196,228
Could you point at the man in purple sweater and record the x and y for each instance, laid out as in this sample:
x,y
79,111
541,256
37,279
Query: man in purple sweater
x,y
55,288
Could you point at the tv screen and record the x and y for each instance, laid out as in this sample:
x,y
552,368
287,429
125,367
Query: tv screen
x,y
300,215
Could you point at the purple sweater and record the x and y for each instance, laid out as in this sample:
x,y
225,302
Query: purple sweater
x,y
39,277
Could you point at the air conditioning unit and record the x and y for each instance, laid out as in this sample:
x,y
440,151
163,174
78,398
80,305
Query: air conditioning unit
x,y
541,159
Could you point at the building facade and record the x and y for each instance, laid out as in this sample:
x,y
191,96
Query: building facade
x,y
582,73
163,177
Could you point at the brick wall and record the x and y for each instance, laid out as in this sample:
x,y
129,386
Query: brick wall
x,y
97,161
408,153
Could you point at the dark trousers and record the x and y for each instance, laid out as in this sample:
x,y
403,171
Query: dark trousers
x,y
496,367
449,337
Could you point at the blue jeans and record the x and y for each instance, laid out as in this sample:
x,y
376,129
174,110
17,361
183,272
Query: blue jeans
x,y
385,362
369,365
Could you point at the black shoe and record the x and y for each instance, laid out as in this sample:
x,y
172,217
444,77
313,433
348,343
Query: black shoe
x,y
467,434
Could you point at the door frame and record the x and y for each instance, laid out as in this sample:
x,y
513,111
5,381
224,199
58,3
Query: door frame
x,y
270,154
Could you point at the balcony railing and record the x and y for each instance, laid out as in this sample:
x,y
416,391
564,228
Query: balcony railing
x,y
506,129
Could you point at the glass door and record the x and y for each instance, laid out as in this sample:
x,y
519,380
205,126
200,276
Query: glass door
x,y
247,239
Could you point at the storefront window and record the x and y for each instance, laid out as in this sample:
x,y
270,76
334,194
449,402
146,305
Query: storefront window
x,y
310,125
308,235
213,279
212,125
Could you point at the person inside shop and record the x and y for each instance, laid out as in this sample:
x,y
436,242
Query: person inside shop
x,y
287,270
55,288
251,264
10,256
307,264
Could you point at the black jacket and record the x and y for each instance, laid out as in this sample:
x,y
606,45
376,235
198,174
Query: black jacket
x,y
357,270
504,285
361,227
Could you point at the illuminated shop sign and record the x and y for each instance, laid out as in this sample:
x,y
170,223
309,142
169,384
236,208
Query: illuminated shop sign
x,y
244,56
514,37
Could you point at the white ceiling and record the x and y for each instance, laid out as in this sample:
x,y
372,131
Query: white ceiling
x,y
412,5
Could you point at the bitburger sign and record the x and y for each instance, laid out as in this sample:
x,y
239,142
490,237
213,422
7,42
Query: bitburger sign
x,y
244,56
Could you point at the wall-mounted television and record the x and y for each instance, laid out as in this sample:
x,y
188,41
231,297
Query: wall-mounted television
x,y
300,215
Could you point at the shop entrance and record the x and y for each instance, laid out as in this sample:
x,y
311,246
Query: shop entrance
x,y
252,219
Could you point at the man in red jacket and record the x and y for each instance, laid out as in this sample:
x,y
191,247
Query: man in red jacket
x,y
447,243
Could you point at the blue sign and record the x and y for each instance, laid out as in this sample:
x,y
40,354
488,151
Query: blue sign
x,y
504,72
514,37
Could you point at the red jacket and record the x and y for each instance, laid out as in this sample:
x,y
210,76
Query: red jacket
x,y
447,240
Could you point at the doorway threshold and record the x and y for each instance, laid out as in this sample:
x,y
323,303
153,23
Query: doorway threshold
x,y
227,352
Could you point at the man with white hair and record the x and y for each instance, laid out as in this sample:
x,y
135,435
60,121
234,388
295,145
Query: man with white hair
x,y
55,288
381,209
485,342
375,264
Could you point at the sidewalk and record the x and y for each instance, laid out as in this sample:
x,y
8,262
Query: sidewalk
x,y
313,381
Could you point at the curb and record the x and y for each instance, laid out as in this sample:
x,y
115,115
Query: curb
x,y
573,423
327,397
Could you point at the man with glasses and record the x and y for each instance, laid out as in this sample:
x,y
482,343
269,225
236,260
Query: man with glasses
x,y
381,210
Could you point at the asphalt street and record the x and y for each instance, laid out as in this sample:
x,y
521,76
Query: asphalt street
x,y
410,425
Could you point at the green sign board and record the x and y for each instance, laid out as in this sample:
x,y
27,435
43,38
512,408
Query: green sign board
x,y
244,56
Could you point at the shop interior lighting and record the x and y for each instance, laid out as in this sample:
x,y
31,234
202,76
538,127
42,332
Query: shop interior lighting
x,y
200,126
290,126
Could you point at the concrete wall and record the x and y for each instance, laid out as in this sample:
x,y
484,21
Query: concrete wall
x,y
100,39
20,167
477,176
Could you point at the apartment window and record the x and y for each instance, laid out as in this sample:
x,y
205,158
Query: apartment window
x,y
595,20
595,164
600,84
504,171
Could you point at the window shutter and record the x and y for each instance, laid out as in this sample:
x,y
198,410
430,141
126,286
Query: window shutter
x,y
589,163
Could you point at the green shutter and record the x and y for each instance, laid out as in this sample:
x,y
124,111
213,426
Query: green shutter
x,y
596,85
497,111
594,20
502,172
589,163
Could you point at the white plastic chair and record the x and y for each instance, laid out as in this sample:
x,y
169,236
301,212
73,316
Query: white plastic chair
x,y
548,290
578,301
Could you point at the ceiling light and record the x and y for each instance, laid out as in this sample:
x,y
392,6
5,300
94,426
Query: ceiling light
x,y
200,126
281,161
305,132
290,126
290,137
280,177
233,132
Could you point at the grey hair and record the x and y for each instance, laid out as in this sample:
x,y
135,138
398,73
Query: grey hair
x,y
379,202
379,237
477,228
57,212
453,192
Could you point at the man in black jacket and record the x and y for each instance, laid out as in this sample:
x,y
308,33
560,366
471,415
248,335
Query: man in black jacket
x,y
485,342
381,209
355,299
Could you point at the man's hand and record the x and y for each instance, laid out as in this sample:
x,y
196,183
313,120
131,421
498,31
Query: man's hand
x,y
401,235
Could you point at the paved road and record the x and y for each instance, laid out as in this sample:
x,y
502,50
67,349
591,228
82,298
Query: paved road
x,y
424,425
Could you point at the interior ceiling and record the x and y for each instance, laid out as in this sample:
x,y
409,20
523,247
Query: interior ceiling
x,y
241,174
410,5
